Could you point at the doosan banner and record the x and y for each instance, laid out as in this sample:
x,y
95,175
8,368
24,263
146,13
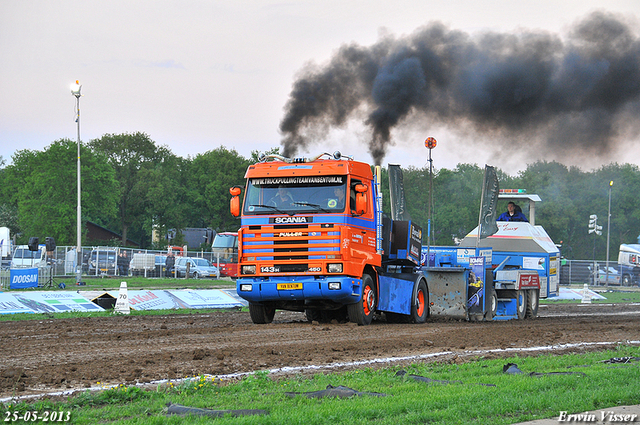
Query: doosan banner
x,y
23,278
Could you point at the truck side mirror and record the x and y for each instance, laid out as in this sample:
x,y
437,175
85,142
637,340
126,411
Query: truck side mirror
x,y
361,198
234,204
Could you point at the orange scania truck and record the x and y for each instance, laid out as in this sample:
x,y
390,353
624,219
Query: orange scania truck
x,y
313,238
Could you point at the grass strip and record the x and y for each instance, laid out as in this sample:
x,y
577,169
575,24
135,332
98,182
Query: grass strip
x,y
473,392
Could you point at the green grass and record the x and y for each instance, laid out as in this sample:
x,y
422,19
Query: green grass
x,y
514,398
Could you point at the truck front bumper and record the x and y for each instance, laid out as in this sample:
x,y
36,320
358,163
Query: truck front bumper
x,y
338,289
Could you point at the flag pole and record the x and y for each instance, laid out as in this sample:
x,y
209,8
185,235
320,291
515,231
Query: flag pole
x,y
484,185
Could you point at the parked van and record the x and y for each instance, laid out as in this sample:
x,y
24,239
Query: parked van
x,y
24,258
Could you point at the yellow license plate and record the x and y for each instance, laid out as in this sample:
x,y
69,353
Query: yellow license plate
x,y
289,286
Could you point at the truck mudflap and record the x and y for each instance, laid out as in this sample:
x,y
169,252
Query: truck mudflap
x,y
339,289
448,298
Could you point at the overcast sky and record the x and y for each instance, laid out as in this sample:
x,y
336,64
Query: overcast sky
x,y
195,75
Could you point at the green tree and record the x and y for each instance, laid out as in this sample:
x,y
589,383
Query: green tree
x,y
210,176
43,187
133,157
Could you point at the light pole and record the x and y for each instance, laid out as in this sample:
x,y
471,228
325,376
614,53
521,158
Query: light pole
x,y
609,231
430,143
75,90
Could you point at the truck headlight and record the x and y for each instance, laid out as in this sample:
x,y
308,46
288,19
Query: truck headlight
x,y
334,268
251,269
334,286
245,287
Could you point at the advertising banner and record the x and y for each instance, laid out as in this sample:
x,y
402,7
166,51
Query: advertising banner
x,y
9,305
488,211
56,302
476,286
151,300
24,278
206,298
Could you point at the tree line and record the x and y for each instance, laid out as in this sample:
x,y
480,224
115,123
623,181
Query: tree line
x,y
131,185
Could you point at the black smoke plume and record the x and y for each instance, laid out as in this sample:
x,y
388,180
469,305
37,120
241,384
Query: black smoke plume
x,y
577,93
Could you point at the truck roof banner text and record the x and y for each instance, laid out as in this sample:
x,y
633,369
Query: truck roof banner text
x,y
24,278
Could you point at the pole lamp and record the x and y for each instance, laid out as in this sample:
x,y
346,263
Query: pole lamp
x,y
596,230
75,91
430,143
608,230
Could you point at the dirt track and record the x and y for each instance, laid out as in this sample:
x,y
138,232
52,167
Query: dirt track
x,y
49,355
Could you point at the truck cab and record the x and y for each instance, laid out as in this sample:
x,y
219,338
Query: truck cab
x,y
308,239
629,264
225,253
23,257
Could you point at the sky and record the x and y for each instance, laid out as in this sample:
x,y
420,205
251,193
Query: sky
x,y
196,75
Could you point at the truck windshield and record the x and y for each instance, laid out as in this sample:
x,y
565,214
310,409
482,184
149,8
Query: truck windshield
x,y
294,195
225,241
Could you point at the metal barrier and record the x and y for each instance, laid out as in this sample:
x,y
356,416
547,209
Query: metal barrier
x,y
599,273
113,261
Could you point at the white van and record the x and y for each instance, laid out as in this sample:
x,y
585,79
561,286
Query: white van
x,y
24,258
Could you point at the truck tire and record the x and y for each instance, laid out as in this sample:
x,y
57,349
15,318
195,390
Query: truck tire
x,y
521,302
261,314
420,303
362,311
532,303
313,315
626,280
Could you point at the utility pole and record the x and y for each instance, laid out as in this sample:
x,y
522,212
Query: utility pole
x,y
75,91
609,232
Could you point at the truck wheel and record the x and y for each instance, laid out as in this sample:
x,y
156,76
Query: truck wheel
x,y
626,280
261,314
532,303
313,315
420,303
521,301
362,312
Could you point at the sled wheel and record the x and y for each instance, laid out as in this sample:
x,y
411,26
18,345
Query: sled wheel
x,y
532,303
420,303
493,306
521,300
261,314
362,311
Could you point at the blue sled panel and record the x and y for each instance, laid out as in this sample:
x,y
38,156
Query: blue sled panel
x,y
395,294
507,309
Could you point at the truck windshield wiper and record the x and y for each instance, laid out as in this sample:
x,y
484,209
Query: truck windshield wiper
x,y
274,209
306,204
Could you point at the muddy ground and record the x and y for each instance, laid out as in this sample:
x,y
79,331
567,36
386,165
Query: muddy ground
x,y
47,355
